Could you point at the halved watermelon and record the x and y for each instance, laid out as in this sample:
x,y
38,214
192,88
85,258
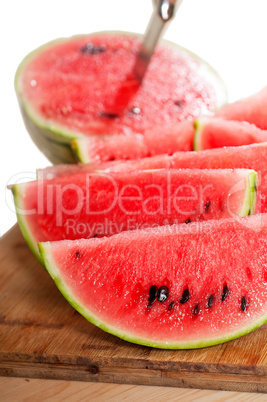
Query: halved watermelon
x,y
102,204
248,157
205,284
72,88
251,109
217,132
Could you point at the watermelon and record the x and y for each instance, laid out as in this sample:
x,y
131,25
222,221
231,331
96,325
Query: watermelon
x,y
205,284
69,169
76,87
251,109
248,157
100,204
160,140
203,133
217,133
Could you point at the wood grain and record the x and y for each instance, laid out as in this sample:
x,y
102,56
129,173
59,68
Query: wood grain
x,y
25,389
42,336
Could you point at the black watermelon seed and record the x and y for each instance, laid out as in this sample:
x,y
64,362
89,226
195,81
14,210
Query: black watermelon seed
x,y
171,306
207,205
188,221
243,304
163,294
91,49
109,115
179,103
111,159
225,292
77,254
135,110
102,48
95,235
153,292
185,296
210,301
196,310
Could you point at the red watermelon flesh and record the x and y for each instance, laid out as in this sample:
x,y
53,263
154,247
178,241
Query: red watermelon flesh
x,y
156,162
204,285
169,139
205,133
251,109
217,133
248,157
102,204
85,85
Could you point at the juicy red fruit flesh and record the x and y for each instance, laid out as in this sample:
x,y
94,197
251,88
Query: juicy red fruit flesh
x,y
195,287
86,85
102,204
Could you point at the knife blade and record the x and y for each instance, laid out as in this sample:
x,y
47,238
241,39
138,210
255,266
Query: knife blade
x,y
163,12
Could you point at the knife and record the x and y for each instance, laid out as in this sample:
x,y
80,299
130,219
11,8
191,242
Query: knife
x,y
163,12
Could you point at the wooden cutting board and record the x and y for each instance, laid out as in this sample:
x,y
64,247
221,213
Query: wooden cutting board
x,y
42,336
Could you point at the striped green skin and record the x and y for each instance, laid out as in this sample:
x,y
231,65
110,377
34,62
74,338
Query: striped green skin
x,y
18,196
198,124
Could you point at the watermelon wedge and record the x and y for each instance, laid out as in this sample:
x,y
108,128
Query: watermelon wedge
x,y
248,157
251,109
102,204
76,87
217,133
169,139
205,284
227,158
203,133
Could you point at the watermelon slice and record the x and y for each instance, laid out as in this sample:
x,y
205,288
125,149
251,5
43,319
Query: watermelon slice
x,y
206,284
102,204
169,139
203,133
73,88
248,157
251,109
217,133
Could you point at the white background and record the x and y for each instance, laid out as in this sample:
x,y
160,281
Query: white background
x,y
230,34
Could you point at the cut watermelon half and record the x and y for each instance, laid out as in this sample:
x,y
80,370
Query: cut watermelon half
x,y
102,204
217,133
251,109
205,284
81,86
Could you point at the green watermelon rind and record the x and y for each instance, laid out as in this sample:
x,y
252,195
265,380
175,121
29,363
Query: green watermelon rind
x,y
56,152
18,196
79,148
53,271
37,126
250,198
198,126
